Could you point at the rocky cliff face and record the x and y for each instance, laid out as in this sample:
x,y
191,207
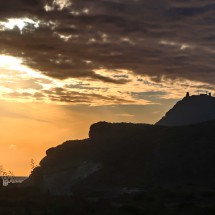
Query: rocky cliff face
x,y
190,110
129,155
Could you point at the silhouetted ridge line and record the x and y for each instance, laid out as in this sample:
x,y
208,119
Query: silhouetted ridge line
x,y
118,155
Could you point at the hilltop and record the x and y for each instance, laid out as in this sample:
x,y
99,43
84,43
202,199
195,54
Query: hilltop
x,y
190,110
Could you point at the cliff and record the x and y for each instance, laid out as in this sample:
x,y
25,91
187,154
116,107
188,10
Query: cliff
x,y
129,155
190,110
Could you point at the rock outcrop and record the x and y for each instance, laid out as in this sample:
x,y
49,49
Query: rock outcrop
x,y
129,155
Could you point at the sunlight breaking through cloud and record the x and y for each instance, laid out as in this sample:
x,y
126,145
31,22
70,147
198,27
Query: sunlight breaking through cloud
x,y
20,23
17,64
58,4
22,84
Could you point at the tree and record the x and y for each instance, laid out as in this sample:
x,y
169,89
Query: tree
x,y
33,165
7,177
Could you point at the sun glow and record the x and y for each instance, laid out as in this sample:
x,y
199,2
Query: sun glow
x,y
17,64
20,23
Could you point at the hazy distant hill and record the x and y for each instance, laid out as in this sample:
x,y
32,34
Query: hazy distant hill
x,y
190,110
130,155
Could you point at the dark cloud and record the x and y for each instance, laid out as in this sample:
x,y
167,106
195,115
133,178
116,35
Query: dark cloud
x,y
20,8
62,95
83,86
175,39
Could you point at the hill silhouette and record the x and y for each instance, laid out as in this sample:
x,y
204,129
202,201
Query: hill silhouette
x,y
190,110
118,155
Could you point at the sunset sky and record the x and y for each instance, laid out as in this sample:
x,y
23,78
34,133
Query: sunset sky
x,y
65,64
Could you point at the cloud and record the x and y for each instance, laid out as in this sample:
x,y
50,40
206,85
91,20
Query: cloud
x,y
87,86
172,39
12,146
126,115
74,97
148,95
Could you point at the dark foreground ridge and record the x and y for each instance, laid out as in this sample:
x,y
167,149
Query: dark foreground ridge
x,y
190,110
132,156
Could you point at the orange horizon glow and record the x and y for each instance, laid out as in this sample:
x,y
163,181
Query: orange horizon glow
x,y
30,125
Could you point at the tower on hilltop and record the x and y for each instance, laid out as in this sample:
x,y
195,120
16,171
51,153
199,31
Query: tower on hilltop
x,y
192,109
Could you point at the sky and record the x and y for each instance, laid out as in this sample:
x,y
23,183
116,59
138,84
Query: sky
x,y
65,64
